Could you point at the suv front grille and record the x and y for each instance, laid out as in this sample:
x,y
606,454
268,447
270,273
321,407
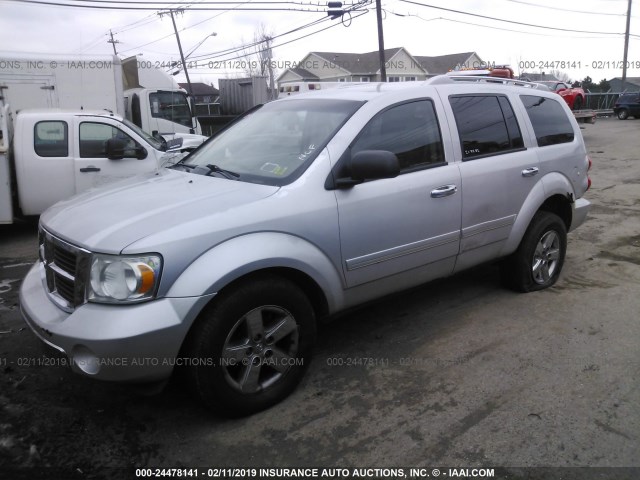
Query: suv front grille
x,y
65,270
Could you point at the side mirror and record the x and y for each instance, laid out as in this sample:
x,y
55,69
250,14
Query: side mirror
x,y
374,165
370,165
115,148
141,153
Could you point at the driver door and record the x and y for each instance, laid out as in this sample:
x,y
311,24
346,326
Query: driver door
x,y
92,166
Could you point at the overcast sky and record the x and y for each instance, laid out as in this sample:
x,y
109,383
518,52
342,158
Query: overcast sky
x,y
48,29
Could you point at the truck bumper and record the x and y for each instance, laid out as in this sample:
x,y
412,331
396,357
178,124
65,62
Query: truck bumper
x,y
581,208
133,343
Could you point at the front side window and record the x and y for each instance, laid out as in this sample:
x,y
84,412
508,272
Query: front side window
x,y
550,122
410,130
172,106
274,144
94,136
51,139
486,125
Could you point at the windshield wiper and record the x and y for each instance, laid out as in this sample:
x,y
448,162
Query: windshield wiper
x,y
227,173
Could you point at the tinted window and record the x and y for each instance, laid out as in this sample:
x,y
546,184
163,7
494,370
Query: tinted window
x,y
549,120
409,130
94,136
486,125
51,139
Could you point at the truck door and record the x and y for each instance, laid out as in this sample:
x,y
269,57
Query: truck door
x,y
44,163
92,166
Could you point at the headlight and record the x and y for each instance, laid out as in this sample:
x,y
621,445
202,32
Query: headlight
x,y
123,279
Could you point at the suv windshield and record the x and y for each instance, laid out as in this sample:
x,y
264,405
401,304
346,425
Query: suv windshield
x,y
276,143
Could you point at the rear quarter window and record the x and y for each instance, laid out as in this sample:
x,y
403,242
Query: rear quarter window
x,y
51,139
550,122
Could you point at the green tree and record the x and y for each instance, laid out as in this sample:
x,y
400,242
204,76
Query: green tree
x,y
604,85
588,85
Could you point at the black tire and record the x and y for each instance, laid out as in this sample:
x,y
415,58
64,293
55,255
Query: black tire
x,y
538,261
623,114
577,103
235,364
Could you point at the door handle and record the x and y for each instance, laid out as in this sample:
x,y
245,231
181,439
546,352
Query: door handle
x,y
530,172
89,169
444,191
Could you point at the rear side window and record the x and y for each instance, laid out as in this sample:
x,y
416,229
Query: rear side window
x,y
486,125
410,130
549,120
51,139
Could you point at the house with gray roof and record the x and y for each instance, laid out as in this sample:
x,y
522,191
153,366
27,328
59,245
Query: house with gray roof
x,y
632,84
365,67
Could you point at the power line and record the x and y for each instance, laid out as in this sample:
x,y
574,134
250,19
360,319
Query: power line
x,y
317,8
487,26
566,9
508,21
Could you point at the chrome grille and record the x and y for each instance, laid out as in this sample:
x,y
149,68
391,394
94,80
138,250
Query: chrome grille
x,y
65,270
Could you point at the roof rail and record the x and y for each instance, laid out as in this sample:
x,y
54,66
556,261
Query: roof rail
x,y
444,79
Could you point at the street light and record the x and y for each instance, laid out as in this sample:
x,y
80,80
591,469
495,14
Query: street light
x,y
212,34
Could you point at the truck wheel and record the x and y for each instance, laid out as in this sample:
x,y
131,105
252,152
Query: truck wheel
x,y
537,262
577,103
623,114
250,348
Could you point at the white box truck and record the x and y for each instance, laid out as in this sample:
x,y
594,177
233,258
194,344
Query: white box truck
x,y
136,89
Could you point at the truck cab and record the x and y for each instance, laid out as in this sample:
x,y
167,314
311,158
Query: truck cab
x,y
56,154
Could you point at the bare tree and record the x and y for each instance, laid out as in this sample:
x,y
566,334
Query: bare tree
x,y
560,75
258,58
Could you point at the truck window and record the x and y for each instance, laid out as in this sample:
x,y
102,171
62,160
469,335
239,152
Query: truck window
x,y
486,125
171,106
51,139
550,122
410,130
94,136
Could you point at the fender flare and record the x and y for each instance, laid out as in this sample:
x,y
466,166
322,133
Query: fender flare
x,y
240,256
550,185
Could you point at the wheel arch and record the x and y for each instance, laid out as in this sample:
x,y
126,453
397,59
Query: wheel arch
x,y
265,253
554,194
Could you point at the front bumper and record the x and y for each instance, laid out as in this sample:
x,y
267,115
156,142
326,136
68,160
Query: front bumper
x,y
133,343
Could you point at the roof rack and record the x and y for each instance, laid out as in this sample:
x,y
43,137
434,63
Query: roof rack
x,y
443,79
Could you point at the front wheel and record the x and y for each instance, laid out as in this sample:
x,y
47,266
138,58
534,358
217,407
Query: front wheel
x,y
537,262
250,348
623,114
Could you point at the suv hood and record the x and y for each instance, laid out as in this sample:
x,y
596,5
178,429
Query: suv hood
x,y
108,219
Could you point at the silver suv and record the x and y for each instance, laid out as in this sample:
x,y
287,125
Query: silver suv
x,y
222,264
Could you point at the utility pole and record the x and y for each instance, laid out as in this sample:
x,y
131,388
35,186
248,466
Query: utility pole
x,y
113,42
383,68
626,49
184,64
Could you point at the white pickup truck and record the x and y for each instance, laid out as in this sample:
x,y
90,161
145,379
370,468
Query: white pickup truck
x,y
49,155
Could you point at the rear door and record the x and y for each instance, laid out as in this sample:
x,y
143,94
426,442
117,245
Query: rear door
x,y
92,166
44,163
390,228
499,170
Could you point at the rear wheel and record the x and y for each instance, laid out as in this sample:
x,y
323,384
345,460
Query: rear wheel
x,y
537,262
623,114
577,103
251,347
